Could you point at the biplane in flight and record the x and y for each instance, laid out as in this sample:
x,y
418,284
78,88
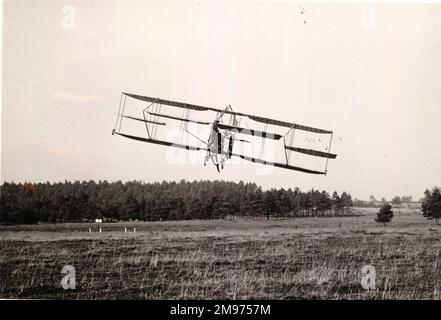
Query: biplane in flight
x,y
227,133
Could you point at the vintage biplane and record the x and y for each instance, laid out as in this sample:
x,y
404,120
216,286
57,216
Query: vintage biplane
x,y
228,135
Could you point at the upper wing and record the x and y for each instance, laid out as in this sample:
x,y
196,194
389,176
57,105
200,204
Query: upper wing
x,y
252,117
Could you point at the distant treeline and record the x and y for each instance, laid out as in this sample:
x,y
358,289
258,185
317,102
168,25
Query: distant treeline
x,y
374,203
86,201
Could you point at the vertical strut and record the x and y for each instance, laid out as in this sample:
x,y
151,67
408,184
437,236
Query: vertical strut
x,y
123,109
119,111
284,147
156,120
150,117
289,135
181,126
262,145
145,118
230,147
219,142
152,127
329,151
291,141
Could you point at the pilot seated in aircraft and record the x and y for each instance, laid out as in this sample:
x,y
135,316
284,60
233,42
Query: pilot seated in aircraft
x,y
214,143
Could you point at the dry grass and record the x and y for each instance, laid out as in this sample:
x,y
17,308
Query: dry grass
x,y
278,259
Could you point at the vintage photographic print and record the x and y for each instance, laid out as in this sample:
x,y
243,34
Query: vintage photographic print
x,y
220,151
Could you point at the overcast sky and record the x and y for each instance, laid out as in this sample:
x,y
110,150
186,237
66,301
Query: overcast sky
x,y
372,74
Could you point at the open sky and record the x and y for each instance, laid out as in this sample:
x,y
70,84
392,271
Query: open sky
x,y
372,74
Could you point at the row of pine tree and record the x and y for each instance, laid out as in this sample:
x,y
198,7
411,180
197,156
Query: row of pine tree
x,y
183,200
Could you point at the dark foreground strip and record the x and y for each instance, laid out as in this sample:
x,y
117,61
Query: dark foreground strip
x,y
209,309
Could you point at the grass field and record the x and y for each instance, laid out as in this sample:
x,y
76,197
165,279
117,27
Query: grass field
x,y
307,258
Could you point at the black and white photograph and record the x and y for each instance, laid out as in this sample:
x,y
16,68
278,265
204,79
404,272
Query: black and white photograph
x,y
200,150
